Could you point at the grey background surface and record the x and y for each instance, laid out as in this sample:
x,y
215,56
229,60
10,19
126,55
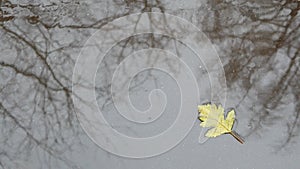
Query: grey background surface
x,y
258,43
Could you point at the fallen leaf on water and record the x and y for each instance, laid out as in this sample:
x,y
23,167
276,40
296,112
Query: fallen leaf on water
x,y
212,116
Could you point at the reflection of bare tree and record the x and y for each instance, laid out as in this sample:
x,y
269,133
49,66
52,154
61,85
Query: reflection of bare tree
x,y
36,67
255,33
35,100
37,56
39,43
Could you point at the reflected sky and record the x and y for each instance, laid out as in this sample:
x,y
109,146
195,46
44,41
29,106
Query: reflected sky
x,y
257,42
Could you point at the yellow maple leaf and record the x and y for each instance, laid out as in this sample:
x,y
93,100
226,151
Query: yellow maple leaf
x,y
212,116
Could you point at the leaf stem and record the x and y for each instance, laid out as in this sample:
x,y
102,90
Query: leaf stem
x,y
237,137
